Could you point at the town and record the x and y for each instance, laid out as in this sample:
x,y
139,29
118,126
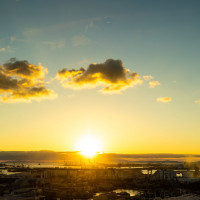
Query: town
x,y
99,182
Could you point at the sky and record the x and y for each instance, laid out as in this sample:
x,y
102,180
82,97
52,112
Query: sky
x,y
126,72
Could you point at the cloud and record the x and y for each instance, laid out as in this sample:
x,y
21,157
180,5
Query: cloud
x,y
197,101
164,99
60,43
22,81
80,40
88,26
55,44
153,84
147,78
30,33
91,24
111,75
13,39
2,50
7,49
24,69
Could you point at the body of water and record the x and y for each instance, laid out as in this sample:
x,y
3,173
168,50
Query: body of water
x,y
131,192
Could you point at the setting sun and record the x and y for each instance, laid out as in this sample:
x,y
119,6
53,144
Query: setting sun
x,y
89,146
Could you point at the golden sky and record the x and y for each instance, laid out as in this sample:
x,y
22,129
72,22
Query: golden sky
x,y
127,72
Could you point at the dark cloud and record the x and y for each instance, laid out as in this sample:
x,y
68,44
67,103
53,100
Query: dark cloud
x,y
22,81
24,69
7,83
111,74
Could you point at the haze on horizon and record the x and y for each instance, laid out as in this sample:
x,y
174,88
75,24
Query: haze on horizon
x,y
123,72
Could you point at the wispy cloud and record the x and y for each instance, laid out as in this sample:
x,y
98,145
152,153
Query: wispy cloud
x,y
197,101
14,38
164,99
153,84
91,24
111,75
35,31
59,43
80,40
21,81
2,50
147,78
7,49
55,44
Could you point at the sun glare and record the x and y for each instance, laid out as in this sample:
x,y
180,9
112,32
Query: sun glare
x,y
89,146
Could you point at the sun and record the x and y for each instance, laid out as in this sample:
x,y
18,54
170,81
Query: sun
x,y
89,145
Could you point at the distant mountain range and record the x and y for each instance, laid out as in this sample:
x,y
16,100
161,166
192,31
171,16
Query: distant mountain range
x,y
100,158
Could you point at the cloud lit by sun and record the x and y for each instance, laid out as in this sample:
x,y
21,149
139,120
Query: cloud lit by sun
x,y
89,145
